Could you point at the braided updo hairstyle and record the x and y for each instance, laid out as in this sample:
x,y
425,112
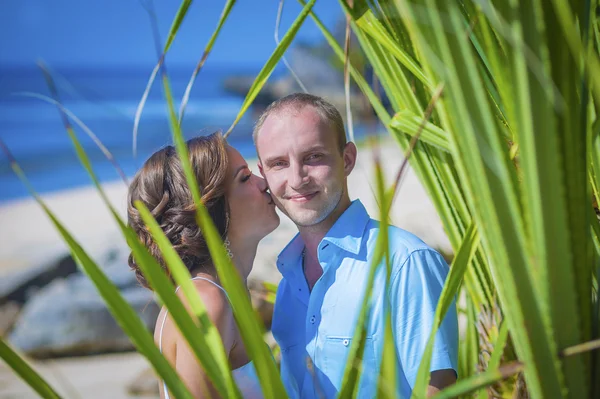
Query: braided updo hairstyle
x,y
160,184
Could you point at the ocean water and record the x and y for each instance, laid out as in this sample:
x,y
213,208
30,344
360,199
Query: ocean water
x,y
106,101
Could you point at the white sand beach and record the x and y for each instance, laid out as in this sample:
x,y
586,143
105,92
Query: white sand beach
x,y
27,239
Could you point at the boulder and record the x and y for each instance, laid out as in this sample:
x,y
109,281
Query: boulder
x,y
315,73
69,317
19,286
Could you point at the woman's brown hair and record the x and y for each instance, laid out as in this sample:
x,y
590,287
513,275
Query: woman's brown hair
x,y
160,184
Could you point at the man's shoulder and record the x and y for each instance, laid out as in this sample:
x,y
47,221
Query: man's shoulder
x,y
401,242
403,245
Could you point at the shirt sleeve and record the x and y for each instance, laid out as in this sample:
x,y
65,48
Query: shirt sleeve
x,y
415,290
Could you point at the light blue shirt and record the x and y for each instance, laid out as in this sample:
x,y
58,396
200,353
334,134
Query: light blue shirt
x,y
315,329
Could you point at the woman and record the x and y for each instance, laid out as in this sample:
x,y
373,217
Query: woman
x,y
243,212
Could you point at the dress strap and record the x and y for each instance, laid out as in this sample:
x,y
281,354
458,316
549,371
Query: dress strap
x,y
210,281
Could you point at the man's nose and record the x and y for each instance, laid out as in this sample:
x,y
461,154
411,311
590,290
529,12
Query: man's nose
x,y
298,176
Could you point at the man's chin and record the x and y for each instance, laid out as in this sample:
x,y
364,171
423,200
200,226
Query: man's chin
x,y
306,219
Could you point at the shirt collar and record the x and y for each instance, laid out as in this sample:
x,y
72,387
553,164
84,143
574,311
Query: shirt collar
x,y
346,233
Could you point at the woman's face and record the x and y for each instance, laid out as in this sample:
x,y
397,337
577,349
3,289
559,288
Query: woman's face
x,y
252,211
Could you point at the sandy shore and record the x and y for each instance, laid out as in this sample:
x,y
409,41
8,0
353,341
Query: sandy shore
x,y
28,239
97,377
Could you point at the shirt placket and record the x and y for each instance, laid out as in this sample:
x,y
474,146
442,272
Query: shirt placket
x,y
313,322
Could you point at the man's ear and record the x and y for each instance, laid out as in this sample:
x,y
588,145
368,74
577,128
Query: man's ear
x,y
349,155
260,169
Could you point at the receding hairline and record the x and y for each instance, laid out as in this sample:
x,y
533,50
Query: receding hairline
x,y
295,107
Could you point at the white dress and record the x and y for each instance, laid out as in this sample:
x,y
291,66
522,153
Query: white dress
x,y
245,377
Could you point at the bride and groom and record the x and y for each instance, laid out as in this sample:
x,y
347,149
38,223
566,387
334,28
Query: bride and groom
x,y
304,161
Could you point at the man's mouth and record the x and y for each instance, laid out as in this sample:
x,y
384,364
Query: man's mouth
x,y
302,197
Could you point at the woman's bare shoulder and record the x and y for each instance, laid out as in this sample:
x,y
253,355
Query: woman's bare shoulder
x,y
214,301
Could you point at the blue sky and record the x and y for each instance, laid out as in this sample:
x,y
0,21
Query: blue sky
x,y
117,33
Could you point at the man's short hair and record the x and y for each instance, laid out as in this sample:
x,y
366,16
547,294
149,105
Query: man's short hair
x,y
296,102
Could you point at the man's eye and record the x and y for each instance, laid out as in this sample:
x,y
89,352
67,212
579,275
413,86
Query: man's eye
x,y
314,157
278,164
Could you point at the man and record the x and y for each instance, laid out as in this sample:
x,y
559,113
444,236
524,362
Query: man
x,y
304,156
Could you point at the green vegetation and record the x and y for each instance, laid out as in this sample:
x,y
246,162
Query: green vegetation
x,y
496,106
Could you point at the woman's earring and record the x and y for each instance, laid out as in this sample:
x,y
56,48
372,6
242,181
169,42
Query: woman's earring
x,y
227,245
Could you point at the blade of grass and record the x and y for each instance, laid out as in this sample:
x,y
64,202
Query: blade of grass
x,y
350,381
83,127
491,184
283,58
347,40
555,186
499,345
26,372
581,348
387,384
470,346
181,12
184,322
208,344
268,68
410,123
370,25
432,168
148,5
207,50
478,381
247,320
193,334
457,270
119,308
579,52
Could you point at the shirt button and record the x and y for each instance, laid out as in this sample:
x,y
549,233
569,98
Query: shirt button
x,y
312,319
346,342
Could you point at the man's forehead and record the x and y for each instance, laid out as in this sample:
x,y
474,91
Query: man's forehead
x,y
282,116
304,124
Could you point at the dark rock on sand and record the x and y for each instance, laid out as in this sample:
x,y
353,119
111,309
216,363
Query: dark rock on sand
x,y
316,74
19,286
69,317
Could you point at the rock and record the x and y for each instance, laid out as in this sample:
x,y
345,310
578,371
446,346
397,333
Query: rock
x,y
315,73
69,317
19,286
9,313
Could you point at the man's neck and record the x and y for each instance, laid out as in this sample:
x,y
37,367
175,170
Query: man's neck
x,y
312,236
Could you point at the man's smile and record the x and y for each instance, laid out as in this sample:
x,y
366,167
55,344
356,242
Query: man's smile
x,y
302,197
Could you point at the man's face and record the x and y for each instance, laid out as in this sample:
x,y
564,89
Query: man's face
x,y
303,165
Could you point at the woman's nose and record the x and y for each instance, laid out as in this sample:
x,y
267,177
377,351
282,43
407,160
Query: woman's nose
x,y
262,183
